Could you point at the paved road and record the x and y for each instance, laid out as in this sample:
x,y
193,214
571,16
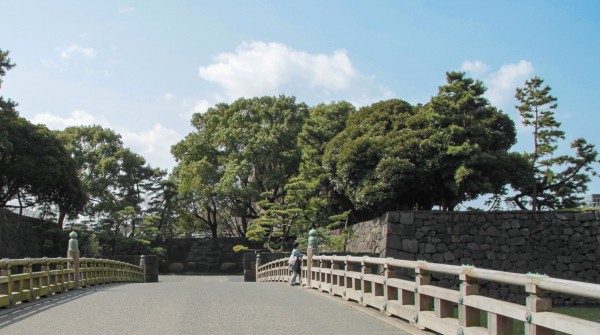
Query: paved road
x,y
192,305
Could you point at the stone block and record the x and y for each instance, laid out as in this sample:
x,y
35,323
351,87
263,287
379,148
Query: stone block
x,y
448,256
228,267
514,233
442,247
407,230
391,217
492,231
438,258
515,241
466,239
585,216
525,256
410,245
459,229
430,248
407,218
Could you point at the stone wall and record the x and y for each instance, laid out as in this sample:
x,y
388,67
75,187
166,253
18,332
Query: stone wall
x,y
203,255
22,236
368,237
560,244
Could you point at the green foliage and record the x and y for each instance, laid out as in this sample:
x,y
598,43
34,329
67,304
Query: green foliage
x,y
35,168
394,156
311,190
239,247
118,181
5,64
89,245
238,152
160,251
549,188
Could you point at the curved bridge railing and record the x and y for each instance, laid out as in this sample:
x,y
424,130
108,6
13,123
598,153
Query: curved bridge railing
x,y
27,279
381,283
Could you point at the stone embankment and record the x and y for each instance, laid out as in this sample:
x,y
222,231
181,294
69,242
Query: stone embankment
x,y
559,244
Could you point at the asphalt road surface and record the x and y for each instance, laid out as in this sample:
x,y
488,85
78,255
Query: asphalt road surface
x,y
193,305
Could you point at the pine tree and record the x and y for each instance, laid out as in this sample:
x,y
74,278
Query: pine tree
x,y
551,189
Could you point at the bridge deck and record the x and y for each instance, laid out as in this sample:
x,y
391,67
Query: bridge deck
x,y
190,305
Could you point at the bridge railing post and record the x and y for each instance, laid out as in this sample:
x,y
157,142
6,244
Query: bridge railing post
x,y
257,264
143,266
468,316
313,250
537,301
73,253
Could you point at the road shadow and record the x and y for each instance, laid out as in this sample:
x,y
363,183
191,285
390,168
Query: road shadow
x,y
13,314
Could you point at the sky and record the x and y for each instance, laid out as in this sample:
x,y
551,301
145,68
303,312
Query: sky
x,y
142,68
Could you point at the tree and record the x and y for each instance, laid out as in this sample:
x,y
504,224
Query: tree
x,y
5,64
163,208
238,152
311,201
474,138
116,179
395,156
548,188
364,162
35,168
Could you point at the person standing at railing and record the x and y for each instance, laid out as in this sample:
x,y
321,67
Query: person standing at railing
x,y
295,263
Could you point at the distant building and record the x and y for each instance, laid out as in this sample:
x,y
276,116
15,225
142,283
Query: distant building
x,y
592,200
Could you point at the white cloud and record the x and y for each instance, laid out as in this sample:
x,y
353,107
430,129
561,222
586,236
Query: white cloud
x,y
77,118
502,83
477,68
168,96
52,65
260,68
98,73
153,144
75,49
201,106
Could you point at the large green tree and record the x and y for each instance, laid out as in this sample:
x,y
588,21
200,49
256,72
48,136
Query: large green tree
x,y
367,162
395,156
35,168
239,152
116,179
474,138
311,201
311,190
550,188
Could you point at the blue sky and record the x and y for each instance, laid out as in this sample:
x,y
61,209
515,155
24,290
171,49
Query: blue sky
x,y
143,67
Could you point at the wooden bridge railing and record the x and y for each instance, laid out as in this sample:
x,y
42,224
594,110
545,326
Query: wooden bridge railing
x,y
27,279
381,283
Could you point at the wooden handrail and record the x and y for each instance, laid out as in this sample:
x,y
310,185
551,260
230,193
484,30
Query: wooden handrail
x,y
428,306
55,275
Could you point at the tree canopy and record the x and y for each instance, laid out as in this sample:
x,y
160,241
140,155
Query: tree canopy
x,y
35,168
395,156
269,168
549,188
239,152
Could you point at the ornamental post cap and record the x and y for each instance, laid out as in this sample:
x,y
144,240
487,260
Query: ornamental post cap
x,y
73,244
312,232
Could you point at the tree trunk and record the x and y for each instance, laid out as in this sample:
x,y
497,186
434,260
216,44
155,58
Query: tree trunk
x,y
61,218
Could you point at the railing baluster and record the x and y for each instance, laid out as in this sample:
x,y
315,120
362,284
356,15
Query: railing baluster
x,y
468,316
537,301
427,306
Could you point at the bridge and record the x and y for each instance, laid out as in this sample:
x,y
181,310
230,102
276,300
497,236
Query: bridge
x,y
338,295
191,305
